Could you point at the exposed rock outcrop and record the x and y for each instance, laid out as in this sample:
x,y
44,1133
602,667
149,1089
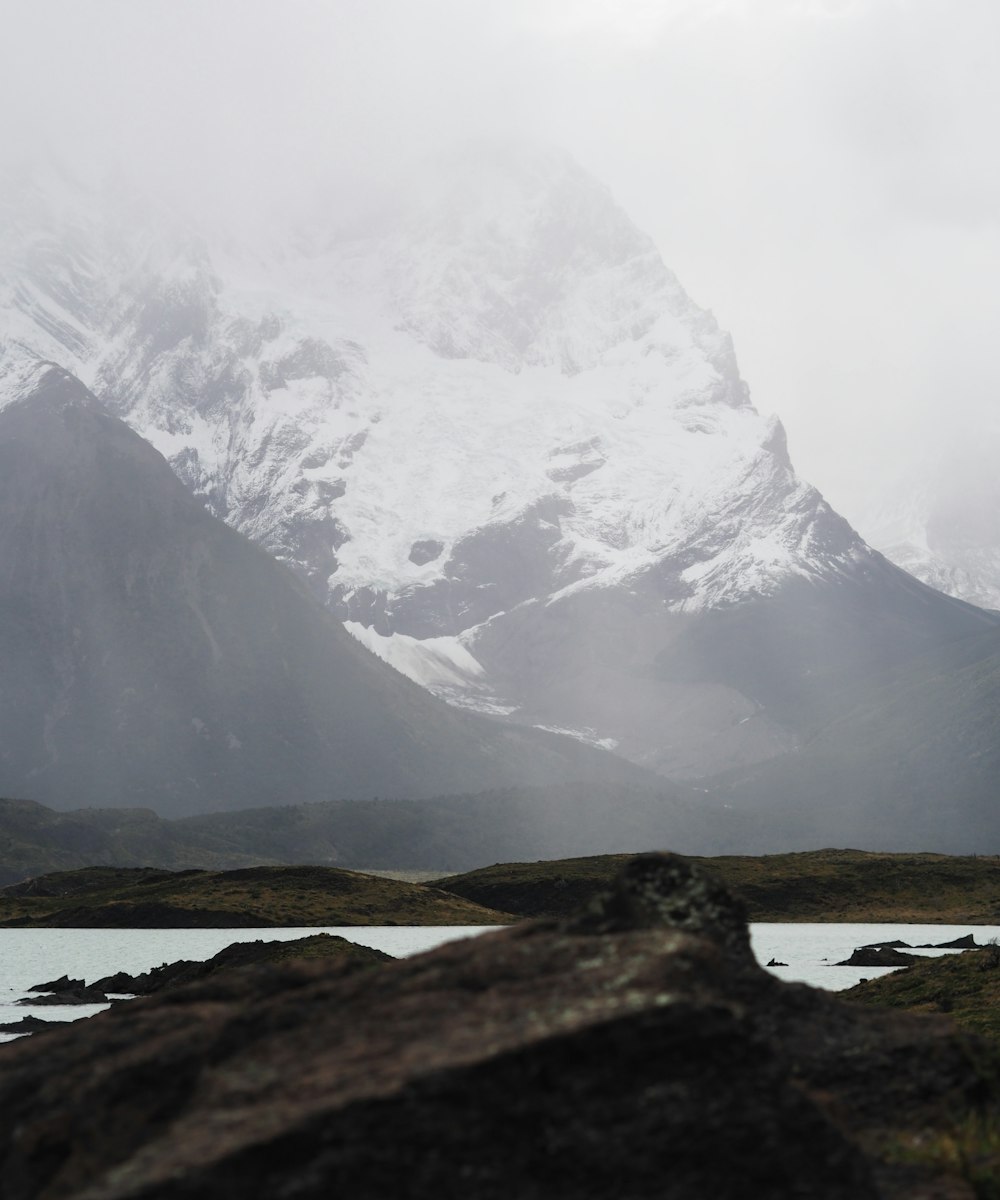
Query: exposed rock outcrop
x,y
62,984
29,1024
879,956
633,1051
239,954
71,995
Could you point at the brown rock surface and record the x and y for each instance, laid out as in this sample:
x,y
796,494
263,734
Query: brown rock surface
x,y
610,1055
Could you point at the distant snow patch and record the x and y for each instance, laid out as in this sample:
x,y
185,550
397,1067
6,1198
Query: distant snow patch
x,y
434,663
583,735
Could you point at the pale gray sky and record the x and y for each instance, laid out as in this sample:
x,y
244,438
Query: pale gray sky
x,y
823,174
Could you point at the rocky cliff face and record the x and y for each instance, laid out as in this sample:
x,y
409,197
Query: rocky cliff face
x,y
632,1050
496,437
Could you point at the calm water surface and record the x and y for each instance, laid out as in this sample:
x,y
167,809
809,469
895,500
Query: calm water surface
x,y
38,955
29,956
811,949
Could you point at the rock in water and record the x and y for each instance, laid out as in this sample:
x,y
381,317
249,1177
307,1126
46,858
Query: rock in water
x,y
28,1025
878,956
62,984
633,1051
74,995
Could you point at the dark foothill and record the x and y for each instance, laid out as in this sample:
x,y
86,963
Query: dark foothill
x,y
962,943
774,963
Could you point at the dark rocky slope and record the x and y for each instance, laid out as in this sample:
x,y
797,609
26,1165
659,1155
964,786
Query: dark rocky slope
x,y
693,693
635,1050
151,656
911,764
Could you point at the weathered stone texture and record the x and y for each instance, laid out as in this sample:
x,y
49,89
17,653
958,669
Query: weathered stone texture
x,y
611,1055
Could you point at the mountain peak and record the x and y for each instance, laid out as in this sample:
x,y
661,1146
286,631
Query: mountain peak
x,y
496,434
513,254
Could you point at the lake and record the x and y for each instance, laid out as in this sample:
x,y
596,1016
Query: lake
x,y
37,955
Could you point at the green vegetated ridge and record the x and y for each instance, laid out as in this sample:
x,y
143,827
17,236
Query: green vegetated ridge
x,y
820,885
249,897
966,986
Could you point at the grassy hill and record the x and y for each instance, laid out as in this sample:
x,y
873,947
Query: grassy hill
x,y
820,885
966,986
257,896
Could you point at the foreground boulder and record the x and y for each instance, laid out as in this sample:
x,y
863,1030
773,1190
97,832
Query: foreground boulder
x,y
633,1050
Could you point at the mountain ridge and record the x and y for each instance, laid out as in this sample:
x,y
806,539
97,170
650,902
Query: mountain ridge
x,y
153,656
493,434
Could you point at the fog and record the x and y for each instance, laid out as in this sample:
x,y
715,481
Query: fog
x,y
822,175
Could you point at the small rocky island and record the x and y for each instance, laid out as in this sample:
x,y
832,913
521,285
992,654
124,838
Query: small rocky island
x,y
65,991
632,1049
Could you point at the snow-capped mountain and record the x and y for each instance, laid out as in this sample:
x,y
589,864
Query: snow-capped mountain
x,y
498,439
942,527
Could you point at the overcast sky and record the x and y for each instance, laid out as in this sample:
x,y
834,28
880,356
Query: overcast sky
x,y
823,174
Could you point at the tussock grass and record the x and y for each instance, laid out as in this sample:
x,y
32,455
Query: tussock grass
x,y
284,896
820,885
